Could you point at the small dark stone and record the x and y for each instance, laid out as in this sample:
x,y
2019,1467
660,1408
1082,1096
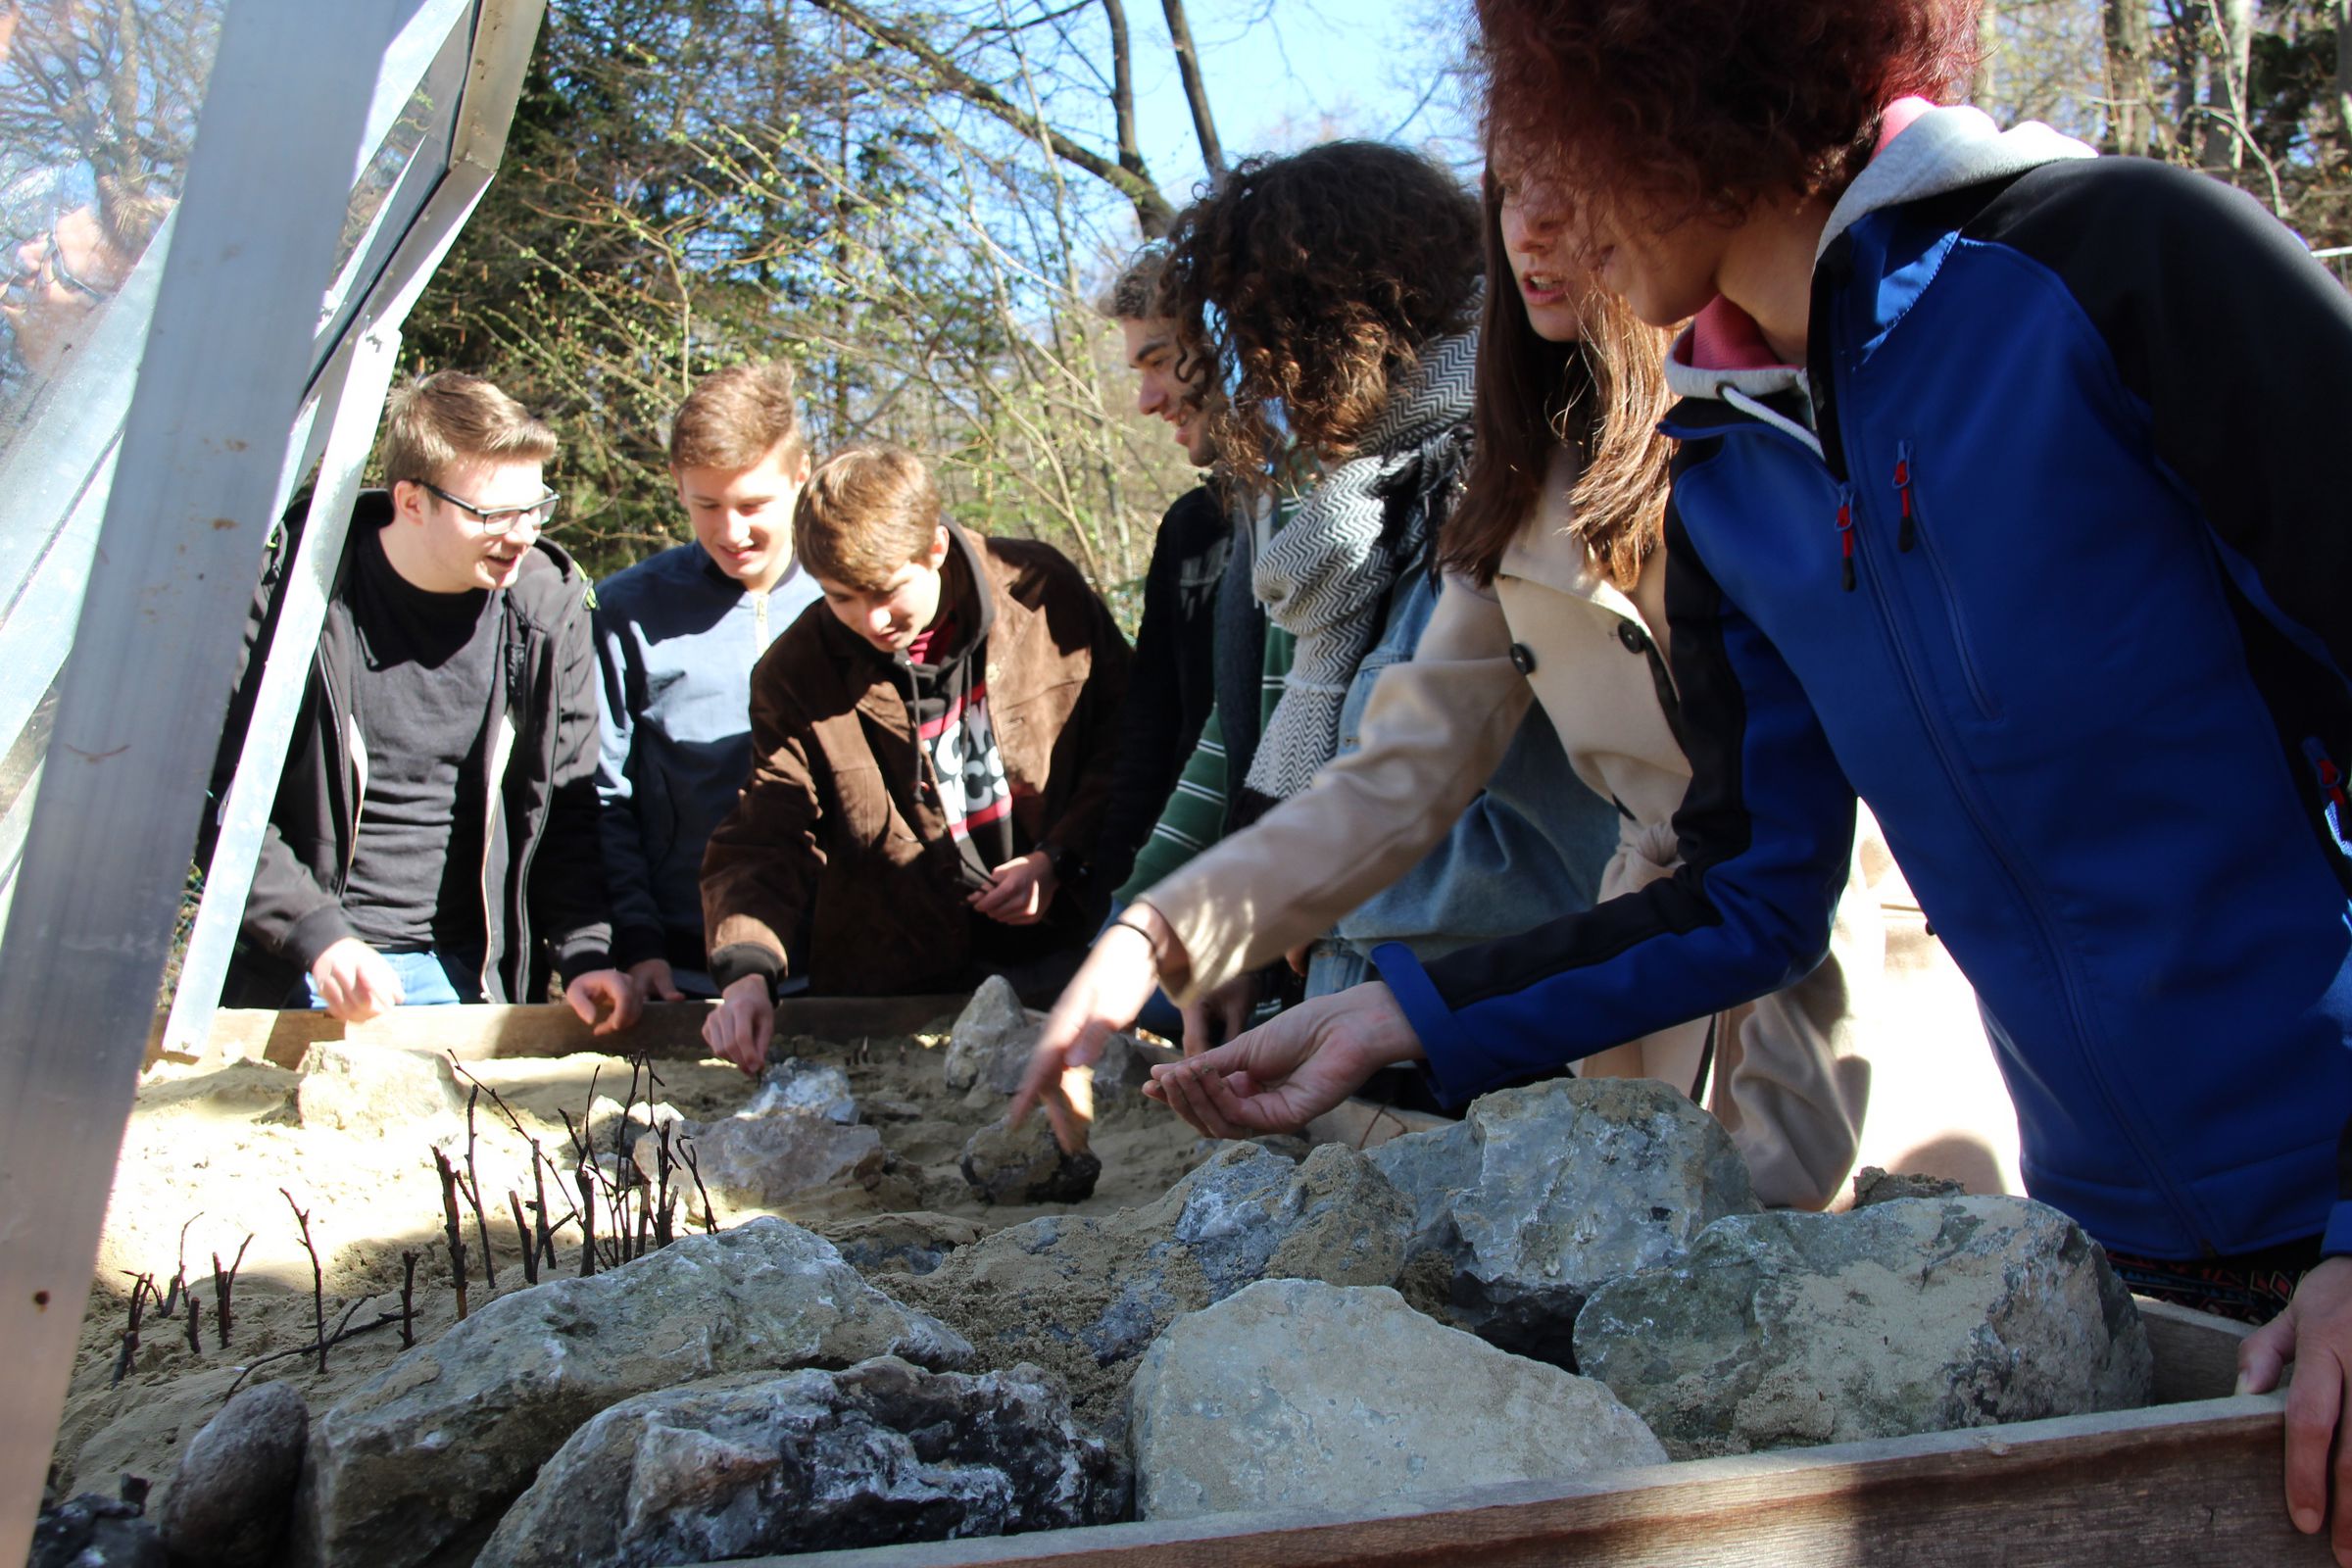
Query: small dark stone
x,y
233,1493
95,1532
1007,1165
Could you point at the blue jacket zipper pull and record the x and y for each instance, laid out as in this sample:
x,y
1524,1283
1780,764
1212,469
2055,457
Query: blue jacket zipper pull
x,y
1905,536
1846,538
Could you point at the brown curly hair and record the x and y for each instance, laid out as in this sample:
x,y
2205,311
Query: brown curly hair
x,y
1605,395
1326,272
1700,106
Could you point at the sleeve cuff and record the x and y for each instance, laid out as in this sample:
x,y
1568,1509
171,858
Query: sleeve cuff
x,y
737,959
634,944
2336,1241
315,933
584,953
1455,1073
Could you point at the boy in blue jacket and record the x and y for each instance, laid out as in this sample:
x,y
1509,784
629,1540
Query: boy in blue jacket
x,y
676,637
2005,501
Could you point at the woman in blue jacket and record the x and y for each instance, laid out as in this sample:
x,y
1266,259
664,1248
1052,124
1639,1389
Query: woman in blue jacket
x,y
1982,513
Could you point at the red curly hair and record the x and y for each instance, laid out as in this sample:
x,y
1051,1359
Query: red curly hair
x,y
1698,107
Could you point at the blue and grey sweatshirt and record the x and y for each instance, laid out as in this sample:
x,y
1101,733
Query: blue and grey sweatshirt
x,y
676,642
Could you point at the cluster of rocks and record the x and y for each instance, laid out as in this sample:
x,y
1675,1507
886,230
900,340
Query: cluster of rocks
x,y
1575,1278
987,1054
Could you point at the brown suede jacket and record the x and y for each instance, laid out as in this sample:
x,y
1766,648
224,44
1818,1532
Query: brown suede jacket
x,y
837,847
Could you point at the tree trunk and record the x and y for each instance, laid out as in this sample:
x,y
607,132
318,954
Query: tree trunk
x,y
2130,89
2343,78
1122,86
1195,91
2222,146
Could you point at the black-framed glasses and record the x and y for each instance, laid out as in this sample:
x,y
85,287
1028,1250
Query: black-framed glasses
x,y
535,515
53,258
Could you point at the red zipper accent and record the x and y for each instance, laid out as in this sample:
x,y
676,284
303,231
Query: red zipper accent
x,y
1906,536
1846,544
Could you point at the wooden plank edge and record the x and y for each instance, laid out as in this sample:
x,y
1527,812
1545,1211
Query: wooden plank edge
x,y
2194,1484
670,1031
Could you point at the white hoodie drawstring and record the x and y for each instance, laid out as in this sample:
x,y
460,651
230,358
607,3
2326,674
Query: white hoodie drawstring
x,y
1779,421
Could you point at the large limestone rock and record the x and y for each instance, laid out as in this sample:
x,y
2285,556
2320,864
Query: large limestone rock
x,y
375,1089
991,1040
1541,1194
760,1161
234,1489
428,1451
796,1085
1916,1316
1083,1296
881,1453
1297,1395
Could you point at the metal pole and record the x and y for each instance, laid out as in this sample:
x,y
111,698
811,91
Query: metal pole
x,y
144,690
500,54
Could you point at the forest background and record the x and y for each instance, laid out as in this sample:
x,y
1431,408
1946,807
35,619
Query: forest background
x,y
919,205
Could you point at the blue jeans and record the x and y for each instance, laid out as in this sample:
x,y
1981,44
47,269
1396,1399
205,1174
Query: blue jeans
x,y
426,979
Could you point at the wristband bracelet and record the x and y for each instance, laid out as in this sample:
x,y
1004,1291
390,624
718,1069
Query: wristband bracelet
x,y
1150,942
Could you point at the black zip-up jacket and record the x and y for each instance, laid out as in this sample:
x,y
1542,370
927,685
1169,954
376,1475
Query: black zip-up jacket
x,y
542,869
1173,680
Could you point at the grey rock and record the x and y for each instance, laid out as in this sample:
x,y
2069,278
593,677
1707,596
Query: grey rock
x,y
1296,1394
377,1089
1873,1184
1541,1194
881,1453
233,1491
1008,1164
1126,1065
894,1110
1083,1296
910,1242
990,1043
760,1161
1289,1146
796,1085
437,1443
95,1532
1783,1330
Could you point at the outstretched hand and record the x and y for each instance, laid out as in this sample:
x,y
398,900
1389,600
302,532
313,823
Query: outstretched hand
x,y
607,1000
1284,1074
1103,998
739,1028
2315,1332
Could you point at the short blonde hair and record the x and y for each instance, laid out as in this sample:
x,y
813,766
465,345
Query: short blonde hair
x,y
450,416
865,514
737,416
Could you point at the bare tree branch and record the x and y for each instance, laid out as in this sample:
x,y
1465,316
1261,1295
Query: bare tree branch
x,y
1151,210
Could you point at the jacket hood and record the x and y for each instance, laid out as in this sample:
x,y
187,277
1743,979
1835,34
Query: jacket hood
x,y
1931,152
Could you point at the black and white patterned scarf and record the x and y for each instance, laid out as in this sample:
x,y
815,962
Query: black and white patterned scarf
x,y
1325,576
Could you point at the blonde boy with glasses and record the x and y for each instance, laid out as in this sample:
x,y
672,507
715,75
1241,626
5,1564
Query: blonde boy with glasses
x,y
435,825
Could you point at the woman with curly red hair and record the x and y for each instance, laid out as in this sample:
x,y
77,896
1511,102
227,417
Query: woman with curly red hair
x,y
1552,599
1333,296
1974,514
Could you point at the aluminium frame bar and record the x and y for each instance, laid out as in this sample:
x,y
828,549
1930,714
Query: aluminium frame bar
x,y
223,379
505,30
